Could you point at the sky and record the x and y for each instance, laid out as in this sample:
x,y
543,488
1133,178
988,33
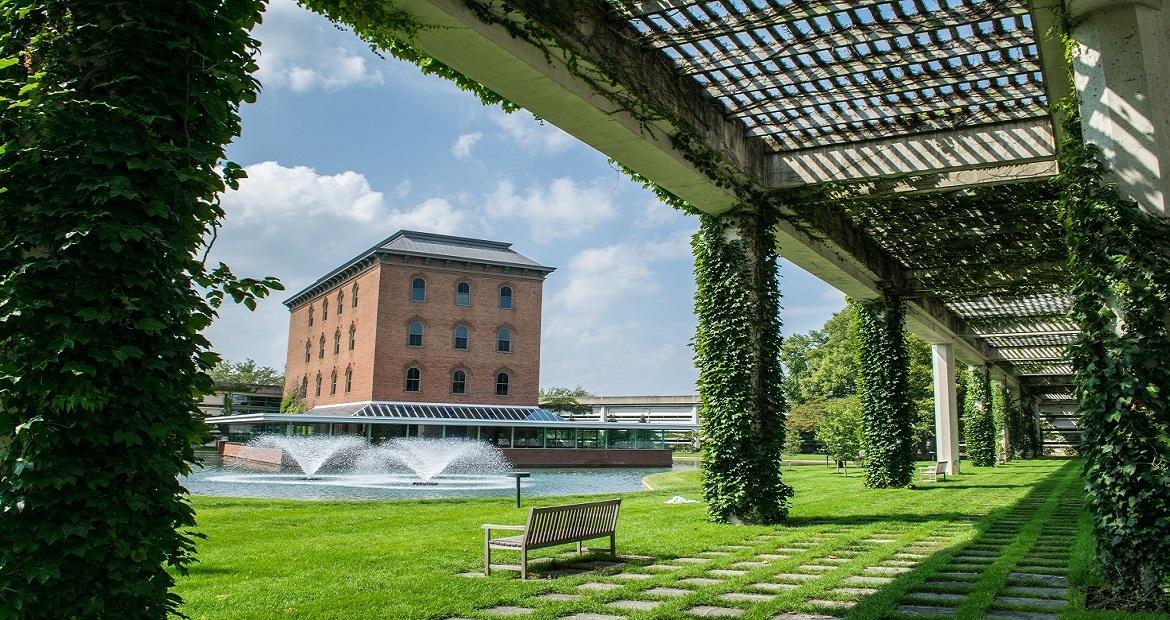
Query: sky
x,y
344,148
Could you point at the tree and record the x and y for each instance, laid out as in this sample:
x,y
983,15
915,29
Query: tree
x,y
247,372
564,400
115,116
292,402
841,430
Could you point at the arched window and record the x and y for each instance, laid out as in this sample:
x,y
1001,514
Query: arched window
x,y
340,302
352,336
348,379
506,297
310,316
318,391
333,382
501,384
353,296
321,352
418,289
463,294
413,380
458,382
337,342
461,336
414,334
324,308
308,350
504,340
304,391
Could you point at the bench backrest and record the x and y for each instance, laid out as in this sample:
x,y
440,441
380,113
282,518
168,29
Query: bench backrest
x,y
941,467
552,524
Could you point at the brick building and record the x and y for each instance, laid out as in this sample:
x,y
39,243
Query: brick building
x,y
420,317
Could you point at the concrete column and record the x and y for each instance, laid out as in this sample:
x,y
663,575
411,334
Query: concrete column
x,y
1122,77
946,406
695,414
604,414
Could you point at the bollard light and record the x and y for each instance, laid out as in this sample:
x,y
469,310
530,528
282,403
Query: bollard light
x,y
518,475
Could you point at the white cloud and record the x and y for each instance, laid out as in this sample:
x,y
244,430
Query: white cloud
x,y
536,137
296,224
402,190
301,52
563,210
589,337
464,143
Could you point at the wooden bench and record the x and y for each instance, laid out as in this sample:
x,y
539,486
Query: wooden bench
x,y
932,472
550,526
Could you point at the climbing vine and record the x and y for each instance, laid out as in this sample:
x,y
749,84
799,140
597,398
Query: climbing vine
x,y
887,413
113,116
737,351
1120,259
979,425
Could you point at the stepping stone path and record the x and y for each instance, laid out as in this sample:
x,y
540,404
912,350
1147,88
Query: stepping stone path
x,y
775,587
598,587
634,605
668,592
708,611
746,597
1034,589
508,611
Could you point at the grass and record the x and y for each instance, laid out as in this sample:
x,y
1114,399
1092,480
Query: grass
x,y
400,559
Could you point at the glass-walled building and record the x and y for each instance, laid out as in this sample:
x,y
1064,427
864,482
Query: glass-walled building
x,y
528,435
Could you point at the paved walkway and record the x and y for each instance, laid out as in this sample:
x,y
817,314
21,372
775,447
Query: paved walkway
x,y
824,572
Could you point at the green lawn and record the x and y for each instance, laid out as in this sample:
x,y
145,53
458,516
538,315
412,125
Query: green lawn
x,y
395,559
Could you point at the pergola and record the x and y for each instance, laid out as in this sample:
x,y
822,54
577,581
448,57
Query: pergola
x,y
917,137
905,152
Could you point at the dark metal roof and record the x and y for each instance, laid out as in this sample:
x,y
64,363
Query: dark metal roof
x,y
438,411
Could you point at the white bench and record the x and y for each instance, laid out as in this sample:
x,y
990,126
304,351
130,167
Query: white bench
x,y
932,472
550,526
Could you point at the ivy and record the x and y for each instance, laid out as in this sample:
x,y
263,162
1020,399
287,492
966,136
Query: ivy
x,y
737,351
979,422
887,413
113,116
1120,259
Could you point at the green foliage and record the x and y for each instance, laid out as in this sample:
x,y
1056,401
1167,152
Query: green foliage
x,y
1120,259
737,346
999,412
292,402
887,413
114,116
841,429
563,400
247,372
978,424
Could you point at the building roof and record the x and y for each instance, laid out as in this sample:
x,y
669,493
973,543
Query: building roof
x,y
431,246
384,412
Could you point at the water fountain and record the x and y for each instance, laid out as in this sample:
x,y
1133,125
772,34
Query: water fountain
x,y
310,453
449,465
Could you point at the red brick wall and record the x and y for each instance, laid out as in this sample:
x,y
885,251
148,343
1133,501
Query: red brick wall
x,y
361,359
439,314
586,457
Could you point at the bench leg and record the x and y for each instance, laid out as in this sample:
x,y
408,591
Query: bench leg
x,y
579,548
487,553
613,545
523,563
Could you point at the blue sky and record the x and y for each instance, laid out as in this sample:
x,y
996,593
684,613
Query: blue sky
x,y
344,148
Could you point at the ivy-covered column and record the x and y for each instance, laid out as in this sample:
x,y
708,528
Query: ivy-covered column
x,y
979,425
737,351
887,414
113,117
1120,259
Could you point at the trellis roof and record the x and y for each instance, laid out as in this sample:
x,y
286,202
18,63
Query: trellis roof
x,y
806,74
801,74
